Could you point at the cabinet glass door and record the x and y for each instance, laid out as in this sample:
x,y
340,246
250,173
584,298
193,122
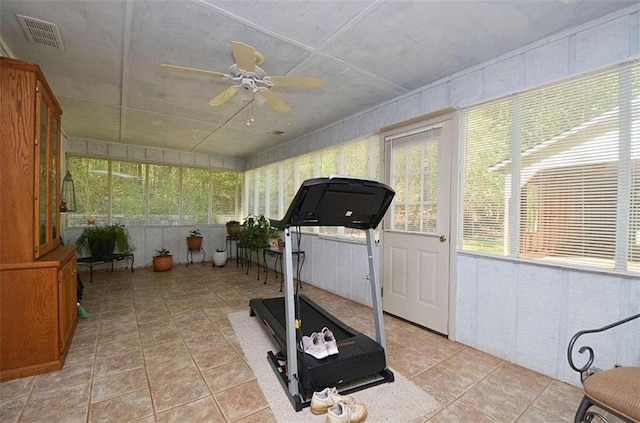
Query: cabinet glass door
x,y
54,207
43,174
47,204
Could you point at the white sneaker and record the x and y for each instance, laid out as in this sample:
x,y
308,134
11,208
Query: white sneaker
x,y
328,397
343,412
330,341
314,345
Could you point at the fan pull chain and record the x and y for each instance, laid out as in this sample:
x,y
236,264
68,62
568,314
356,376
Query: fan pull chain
x,y
250,119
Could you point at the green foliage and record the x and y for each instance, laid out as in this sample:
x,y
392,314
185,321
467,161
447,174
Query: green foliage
x,y
256,231
176,195
163,252
101,241
195,233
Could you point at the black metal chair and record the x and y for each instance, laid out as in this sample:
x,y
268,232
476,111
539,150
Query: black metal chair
x,y
616,391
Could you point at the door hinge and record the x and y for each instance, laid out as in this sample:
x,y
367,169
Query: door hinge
x,y
60,345
382,292
35,142
37,88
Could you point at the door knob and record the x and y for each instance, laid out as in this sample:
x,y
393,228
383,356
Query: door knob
x,y
443,238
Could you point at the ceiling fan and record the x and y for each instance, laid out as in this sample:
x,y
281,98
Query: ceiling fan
x,y
251,81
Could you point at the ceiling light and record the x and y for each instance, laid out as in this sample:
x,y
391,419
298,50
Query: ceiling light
x,y
259,98
246,88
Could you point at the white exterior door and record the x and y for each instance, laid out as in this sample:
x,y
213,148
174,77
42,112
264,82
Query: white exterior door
x,y
416,232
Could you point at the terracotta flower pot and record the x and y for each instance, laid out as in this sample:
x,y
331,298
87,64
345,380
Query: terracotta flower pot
x,y
162,263
194,243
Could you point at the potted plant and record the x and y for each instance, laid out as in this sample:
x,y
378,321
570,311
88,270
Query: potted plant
x,y
220,257
194,240
103,241
162,260
233,228
256,232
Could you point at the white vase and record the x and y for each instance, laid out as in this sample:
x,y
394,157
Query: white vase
x,y
219,258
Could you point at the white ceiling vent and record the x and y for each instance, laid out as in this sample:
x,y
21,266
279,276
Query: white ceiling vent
x,y
41,32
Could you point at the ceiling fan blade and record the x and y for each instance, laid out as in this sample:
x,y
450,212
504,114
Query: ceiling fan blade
x,y
296,81
224,96
275,101
244,55
183,69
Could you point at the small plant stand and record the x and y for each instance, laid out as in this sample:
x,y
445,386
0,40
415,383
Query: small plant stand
x,y
190,254
93,261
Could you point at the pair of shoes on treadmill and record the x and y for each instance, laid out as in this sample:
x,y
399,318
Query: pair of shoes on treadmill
x,y
339,408
320,344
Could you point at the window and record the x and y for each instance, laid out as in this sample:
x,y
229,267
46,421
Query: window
x,y
140,194
552,174
127,188
164,195
196,189
273,187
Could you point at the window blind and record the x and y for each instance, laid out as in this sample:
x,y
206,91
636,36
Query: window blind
x,y
550,174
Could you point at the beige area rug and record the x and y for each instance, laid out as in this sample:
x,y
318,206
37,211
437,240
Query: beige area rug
x,y
400,401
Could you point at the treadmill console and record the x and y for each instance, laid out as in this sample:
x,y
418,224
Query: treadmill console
x,y
338,201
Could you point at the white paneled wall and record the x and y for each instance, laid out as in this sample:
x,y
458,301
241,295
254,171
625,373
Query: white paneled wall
x,y
527,313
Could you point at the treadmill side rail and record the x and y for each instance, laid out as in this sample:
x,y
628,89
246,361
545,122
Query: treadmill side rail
x,y
290,314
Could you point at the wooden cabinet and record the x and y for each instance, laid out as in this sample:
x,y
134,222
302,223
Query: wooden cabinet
x,y
38,313
30,164
67,299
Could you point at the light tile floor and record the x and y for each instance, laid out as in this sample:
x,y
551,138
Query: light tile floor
x,y
158,347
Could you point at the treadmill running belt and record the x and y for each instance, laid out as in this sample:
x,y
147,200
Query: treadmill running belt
x,y
312,319
359,356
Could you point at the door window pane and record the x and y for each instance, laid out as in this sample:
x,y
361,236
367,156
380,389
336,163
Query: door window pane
x,y
415,176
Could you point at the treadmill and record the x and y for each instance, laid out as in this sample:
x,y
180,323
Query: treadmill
x,y
361,362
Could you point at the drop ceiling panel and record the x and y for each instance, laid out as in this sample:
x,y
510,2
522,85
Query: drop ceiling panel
x,y
356,92
178,94
420,42
153,130
90,65
89,120
198,36
309,22
236,143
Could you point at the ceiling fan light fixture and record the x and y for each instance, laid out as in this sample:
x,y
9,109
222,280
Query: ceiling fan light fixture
x,y
246,88
259,98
